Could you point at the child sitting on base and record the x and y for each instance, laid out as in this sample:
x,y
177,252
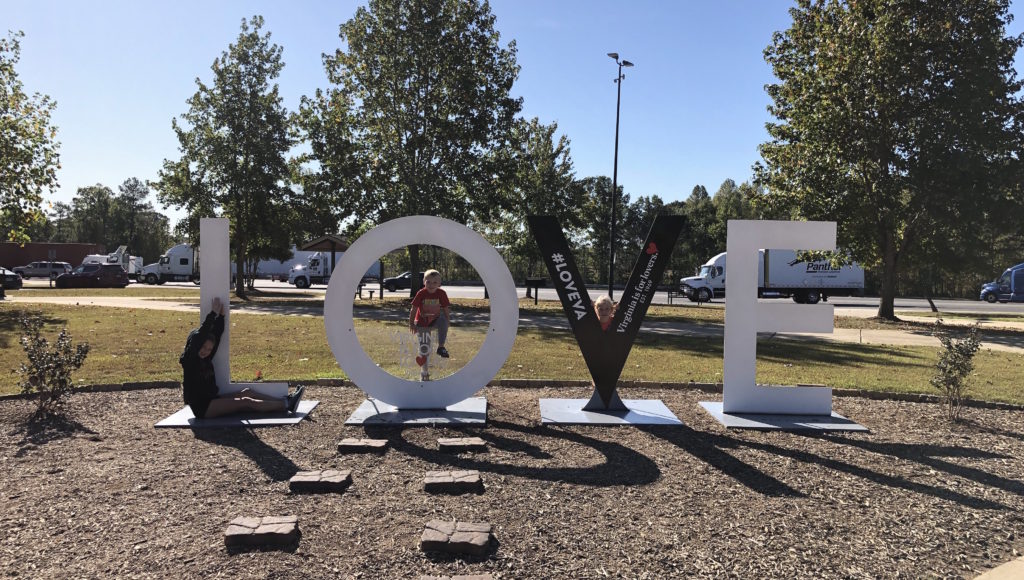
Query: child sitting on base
x,y
430,307
199,383
605,309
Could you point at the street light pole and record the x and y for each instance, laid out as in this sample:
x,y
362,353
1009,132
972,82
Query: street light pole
x,y
615,171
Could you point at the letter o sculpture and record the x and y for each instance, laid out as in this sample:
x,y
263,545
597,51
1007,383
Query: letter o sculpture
x,y
344,284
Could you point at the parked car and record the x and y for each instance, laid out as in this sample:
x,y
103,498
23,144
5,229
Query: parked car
x,y
403,280
94,276
11,280
43,269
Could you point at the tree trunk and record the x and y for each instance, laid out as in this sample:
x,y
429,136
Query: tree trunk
x,y
239,277
888,294
414,268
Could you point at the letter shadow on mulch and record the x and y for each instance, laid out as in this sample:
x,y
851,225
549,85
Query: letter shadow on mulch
x,y
622,466
708,448
271,462
929,454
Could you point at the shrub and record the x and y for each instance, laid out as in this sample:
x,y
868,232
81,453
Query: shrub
x,y
47,376
955,364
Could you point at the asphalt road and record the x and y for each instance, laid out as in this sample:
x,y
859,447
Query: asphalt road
x,y
844,305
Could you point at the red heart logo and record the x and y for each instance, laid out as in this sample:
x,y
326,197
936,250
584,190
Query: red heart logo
x,y
420,360
652,248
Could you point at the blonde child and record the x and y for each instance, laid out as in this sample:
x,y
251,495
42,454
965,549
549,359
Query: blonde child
x,y
430,307
605,309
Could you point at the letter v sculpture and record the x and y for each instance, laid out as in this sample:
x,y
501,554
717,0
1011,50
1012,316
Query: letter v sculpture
x,y
605,351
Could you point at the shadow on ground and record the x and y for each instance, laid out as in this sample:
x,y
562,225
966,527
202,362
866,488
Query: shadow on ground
x,y
271,462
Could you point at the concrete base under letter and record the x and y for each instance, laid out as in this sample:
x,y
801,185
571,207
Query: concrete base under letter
x,y
472,411
638,412
763,422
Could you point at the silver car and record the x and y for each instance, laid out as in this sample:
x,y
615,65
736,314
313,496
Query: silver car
x,y
43,269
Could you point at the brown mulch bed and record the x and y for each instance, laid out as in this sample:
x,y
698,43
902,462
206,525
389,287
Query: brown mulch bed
x,y
104,494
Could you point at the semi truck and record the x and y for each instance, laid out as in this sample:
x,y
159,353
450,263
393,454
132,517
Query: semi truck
x,y
317,270
1009,287
780,274
177,264
280,269
131,264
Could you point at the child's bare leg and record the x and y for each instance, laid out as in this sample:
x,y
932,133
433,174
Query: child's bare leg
x,y
231,405
253,394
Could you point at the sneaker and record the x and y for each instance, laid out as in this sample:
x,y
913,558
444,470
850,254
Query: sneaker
x,y
292,400
442,352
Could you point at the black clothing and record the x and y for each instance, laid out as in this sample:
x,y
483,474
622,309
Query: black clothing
x,y
199,384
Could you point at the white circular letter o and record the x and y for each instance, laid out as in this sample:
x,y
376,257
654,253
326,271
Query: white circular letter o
x,y
344,284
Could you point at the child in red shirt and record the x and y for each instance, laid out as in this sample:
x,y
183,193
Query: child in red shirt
x,y
430,307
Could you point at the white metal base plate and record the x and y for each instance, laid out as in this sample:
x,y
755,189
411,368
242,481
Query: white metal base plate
x,y
764,422
471,411
184,418
639,412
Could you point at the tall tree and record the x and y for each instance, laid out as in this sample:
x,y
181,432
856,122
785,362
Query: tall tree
x,y
28,147
597,192
543,183
701,243
424,85
92,211
234,142
899,119
128,204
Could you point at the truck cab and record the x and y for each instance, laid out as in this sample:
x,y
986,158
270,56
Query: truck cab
x,y
177,265
1009,287
708,283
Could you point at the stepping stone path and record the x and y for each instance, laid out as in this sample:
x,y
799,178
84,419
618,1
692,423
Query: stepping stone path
x,y
453,482
459,577
326,481
456,537
264,531
457,444
351,445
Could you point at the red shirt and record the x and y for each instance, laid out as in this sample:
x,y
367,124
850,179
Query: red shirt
x,y
428,305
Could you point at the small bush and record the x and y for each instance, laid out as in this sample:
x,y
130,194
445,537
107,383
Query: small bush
x,y
47,376
956,362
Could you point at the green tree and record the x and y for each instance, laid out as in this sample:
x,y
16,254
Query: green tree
x,y
28,147
92,211
424,88
129,202
900,120
543,184
597,213
234,140
701,242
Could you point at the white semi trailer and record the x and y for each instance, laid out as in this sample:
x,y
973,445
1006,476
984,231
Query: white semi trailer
x,y
780,274
317,270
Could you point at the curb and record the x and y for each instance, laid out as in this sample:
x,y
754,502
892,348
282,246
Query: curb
x,y
541,383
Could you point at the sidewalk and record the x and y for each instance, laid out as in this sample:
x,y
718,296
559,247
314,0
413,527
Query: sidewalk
x,y
1003,342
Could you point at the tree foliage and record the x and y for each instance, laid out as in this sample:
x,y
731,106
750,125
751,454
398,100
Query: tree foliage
x,y
97,215
234,139
422,86
542,183
28,147
900,120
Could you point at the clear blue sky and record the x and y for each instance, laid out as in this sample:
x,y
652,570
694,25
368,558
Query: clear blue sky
x,y
693,108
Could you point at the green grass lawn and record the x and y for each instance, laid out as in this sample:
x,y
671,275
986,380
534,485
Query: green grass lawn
x,y
142,345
